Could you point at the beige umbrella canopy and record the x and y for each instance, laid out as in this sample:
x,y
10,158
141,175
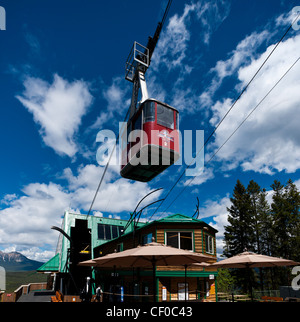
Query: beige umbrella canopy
x,y
144,256
150,255
249,260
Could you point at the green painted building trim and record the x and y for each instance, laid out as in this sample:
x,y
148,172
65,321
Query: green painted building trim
x,y
216,288
182,274
51,266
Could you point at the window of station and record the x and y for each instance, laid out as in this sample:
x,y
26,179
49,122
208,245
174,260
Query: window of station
x,y
147,239
180,239
108,232
209,244
165,116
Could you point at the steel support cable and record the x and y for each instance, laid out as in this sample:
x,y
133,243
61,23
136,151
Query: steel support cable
x,y
233,133
230,109
107,165
166,12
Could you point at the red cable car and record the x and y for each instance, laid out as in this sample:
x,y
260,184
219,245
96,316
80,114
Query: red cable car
x,y
151,142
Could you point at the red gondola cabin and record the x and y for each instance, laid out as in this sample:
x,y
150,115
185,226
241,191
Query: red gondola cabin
x,y
151,142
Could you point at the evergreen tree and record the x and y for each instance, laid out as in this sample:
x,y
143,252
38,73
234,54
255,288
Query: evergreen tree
x,y
285,212
270,230
254,191
266,224
239,233
258,211
281,224
292,201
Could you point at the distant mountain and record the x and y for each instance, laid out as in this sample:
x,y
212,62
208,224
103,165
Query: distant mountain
x,y
16,262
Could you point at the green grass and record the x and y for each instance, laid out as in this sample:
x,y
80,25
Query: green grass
x,y
16,279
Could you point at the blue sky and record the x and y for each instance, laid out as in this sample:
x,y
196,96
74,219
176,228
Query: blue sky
x,y
62,81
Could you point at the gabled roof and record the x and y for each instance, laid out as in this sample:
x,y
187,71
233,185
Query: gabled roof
x,y
51,266
179,218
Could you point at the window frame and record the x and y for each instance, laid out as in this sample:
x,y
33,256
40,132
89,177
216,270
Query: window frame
x,y
165,108
146,236
209,241
178,231
108,231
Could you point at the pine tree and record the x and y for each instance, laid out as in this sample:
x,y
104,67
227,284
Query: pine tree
x,y
292,201
239,233
285,211
280,214
254,191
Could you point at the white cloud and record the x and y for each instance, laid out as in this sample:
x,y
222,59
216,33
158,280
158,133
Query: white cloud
x,y
240,56
116,195
117,102
204,175
269,140
176,55
217,211
25,220
58,109
173,46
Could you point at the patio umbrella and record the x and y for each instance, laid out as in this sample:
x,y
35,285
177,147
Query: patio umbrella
x,y
150,255
250,260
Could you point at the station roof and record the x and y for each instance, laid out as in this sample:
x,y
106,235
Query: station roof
x,y
51,266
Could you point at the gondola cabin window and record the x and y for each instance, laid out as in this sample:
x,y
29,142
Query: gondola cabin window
x,y
180,239
165,116
149,112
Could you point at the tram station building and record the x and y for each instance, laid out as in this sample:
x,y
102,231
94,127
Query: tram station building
x,y
91,237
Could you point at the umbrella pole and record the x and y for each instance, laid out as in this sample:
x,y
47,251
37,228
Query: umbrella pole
x,y
185,267
249,282
154,279
114,285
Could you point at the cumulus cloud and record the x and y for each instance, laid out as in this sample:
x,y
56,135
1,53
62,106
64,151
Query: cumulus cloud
x,y
216,212
173,46
58,109
240,56
269,141
25,220
116,194
118,102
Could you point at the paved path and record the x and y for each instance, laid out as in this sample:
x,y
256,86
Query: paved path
x,y
37,296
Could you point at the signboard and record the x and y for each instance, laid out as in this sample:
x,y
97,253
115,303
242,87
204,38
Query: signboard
x,y
164,293
183,291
